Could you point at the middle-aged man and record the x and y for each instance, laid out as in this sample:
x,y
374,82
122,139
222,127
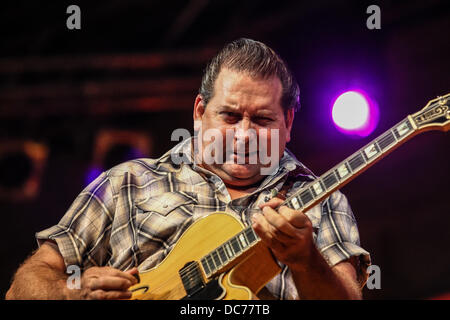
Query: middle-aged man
x,y
132,215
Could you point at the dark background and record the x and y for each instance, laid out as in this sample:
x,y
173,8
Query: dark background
x,y
135,66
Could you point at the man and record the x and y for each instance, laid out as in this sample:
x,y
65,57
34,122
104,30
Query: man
x,y
131,216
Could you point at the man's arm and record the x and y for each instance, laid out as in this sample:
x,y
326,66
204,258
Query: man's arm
x,y
319,281
289,235
42,276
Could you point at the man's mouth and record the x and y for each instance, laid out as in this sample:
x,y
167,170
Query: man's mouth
x,y
246,158
246,154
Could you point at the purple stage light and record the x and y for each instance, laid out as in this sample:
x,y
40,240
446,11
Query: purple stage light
x,y
354,113
92,173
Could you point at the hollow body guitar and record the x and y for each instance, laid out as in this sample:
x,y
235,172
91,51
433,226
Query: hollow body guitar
x,y
242,266
217,257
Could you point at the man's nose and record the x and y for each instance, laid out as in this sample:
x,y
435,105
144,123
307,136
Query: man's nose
x,y
244,132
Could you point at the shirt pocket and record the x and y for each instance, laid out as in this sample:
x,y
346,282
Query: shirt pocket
x,y
165,203
161,220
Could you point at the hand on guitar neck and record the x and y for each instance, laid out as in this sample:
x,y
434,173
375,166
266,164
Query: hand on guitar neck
x,y
288,232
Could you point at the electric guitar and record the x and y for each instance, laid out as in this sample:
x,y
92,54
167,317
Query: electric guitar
x,y
218,258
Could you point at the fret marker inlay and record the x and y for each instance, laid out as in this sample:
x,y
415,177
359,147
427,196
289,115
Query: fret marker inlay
x,y
342,171
403,129
370,151
295,203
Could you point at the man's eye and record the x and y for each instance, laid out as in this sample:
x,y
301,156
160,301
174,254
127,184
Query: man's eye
x,y
263,120
230,115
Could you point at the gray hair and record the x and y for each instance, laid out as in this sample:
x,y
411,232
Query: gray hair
x,y
256,59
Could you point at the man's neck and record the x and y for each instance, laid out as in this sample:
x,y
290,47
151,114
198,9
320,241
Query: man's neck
x,y
239,193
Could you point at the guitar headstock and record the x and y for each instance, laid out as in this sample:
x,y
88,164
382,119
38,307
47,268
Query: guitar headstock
x,y
434,116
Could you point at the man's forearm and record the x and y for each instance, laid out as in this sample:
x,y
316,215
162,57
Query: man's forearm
x,y
38,280
318,281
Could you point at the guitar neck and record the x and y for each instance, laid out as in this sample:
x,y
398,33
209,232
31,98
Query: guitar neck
x,y
335,178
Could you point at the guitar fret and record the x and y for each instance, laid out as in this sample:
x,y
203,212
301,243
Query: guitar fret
x,y
306,196
235,245
356,162
386,140
242,240
330,180
251,236
216,259
228,250
210,261
244,233
205,266
222,254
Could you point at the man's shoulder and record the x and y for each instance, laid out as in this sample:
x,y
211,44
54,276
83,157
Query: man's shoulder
x,y
135,167
165,163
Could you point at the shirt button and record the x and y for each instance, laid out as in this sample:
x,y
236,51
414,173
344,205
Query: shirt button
x,y
165,206
290,166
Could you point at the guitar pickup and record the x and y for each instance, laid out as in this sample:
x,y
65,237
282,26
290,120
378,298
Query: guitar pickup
x,y
191,277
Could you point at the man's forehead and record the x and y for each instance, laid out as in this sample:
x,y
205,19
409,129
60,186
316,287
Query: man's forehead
x,y
254,108
239,89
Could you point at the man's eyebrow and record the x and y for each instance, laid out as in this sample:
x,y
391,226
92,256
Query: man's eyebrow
x,y
229,108
265,112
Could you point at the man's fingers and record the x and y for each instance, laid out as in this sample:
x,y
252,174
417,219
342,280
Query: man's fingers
x,y
109,283
110,295
112,272
135,273
270,240
273,237
273,203
279,223
295,217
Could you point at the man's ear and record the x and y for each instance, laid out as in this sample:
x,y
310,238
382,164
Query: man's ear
x,y
289,121
199,108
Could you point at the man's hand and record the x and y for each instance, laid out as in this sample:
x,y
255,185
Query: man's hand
x,y
43,276
105,283
288,233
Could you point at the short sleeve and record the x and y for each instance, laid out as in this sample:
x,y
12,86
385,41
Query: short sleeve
x,y
82,235
338,235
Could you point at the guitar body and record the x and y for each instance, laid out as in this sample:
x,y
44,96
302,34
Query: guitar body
x,y
241,279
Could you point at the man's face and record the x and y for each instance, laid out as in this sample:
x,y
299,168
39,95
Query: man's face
x,y
248,110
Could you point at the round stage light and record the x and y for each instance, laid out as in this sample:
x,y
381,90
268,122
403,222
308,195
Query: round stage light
x,y
354,113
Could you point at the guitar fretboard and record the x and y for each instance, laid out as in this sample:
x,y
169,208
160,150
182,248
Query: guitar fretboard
x,y
335,178
230,250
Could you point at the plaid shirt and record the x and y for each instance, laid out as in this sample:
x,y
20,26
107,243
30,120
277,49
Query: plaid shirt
x,y
133,215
